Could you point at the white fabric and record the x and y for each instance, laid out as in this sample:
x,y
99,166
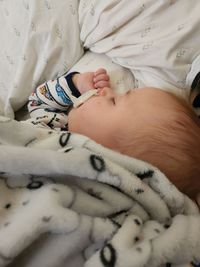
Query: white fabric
x,y
57,205
39,41
157,40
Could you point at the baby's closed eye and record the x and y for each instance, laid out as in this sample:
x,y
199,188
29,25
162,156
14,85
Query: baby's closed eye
x,y
113,100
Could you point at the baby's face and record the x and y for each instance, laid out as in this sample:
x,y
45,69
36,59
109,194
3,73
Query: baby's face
x,y
106,113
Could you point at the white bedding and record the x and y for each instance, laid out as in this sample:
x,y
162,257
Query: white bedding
x,y
39,40
157,40
65,200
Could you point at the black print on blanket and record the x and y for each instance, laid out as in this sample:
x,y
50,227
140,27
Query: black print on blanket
x,y
64,138
108,256
34,185
97,163
116,210
147,174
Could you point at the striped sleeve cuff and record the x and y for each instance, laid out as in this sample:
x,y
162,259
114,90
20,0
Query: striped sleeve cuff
x,y
71,85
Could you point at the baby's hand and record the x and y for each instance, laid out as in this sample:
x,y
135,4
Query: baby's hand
x,y
91,80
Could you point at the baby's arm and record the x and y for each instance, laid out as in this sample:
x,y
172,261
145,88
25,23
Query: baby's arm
x,y
51,101
59,93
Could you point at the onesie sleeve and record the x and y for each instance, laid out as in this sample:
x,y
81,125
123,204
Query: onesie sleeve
x,y
51,101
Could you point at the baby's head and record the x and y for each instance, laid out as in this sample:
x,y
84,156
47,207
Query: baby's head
x,y
148,124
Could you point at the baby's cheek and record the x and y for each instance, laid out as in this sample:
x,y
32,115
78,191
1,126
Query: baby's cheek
x,y
73,120
78,119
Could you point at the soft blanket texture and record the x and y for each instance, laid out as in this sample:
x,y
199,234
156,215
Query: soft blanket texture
x,y
67,200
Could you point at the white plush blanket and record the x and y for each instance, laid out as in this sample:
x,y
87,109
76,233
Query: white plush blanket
x,y
65,200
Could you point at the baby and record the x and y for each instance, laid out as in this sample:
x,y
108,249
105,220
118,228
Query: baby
x,y
146,123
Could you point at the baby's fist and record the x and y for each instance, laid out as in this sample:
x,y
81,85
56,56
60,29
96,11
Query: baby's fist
x,y
91,80
101,79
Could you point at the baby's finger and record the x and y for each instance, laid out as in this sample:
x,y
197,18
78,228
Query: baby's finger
x,y
102,84
101,77
100,71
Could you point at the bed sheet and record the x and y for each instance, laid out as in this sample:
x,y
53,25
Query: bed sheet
x,y
39,41
140,37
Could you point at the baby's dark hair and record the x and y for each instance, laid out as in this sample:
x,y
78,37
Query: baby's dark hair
x,y
171,143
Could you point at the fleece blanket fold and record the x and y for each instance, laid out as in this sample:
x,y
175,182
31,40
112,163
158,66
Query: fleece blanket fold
x,y
67,200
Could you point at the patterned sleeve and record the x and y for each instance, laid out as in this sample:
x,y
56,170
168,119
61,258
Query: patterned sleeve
x,y
51,102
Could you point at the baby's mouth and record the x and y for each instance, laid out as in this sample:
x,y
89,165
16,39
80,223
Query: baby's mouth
x,y
84,97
